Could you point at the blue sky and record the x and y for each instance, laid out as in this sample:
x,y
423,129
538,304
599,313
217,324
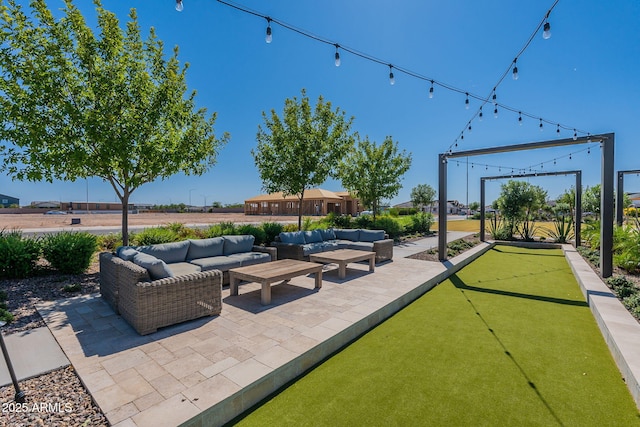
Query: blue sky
x,y
585,76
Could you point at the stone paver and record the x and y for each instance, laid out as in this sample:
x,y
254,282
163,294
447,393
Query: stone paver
x,y
215,368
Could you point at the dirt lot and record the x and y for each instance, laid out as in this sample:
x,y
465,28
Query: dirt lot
x,y
30,221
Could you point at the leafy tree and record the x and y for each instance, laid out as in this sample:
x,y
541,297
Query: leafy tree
x,y
374,172
301,150
591,200
77,104
422,195
474,206
568,197
518,201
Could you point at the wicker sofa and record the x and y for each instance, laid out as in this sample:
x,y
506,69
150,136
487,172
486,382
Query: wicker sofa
x,y
301,244
161,285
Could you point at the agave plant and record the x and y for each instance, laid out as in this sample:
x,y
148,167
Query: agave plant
x,y
563,226
527,229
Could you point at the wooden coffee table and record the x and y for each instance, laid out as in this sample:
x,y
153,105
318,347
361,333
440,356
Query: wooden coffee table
x,y
342,257
267,273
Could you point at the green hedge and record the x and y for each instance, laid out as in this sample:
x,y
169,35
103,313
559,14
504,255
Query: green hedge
x,y
18,255
69,252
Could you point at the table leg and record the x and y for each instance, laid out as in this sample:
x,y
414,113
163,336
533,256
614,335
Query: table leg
x,y
342,270
319,279
372,263
233,284
265,294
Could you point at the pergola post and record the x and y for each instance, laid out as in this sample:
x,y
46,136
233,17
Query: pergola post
x,y
482,214
442,207
606,208
620,195
578,202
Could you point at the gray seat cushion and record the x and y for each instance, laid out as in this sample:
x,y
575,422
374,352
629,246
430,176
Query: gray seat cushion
x,y
361,246
204,248
237,244
167,252
156,267
371,235
294,237
313,248
182,268
251,258
222,263
353,235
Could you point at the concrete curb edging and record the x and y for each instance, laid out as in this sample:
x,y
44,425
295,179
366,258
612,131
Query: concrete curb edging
x,y
618,327
244,399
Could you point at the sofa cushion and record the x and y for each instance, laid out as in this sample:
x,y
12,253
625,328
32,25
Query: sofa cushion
x,y
294,237
167,252
353,235
251,258
371,235
182,268
360,246
237,244
126,253
330,245
313,248
312,236
156,267
204,248
328,234
222,263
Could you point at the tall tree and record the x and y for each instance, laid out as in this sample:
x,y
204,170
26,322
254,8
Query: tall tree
x,y
301,150
422,195
518,200
77,104
374,172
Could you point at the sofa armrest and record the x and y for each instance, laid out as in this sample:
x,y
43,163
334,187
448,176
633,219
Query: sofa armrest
x,y
266,249
148,306
383,249
289,250
113,272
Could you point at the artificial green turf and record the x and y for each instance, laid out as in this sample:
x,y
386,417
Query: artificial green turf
x,y
509,340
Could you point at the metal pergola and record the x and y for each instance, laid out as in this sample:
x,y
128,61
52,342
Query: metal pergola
x,y
578,197
620,195
606,195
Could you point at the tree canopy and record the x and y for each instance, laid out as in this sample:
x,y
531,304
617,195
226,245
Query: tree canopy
x,y
422,195
374,172
302,149
76,104
518,200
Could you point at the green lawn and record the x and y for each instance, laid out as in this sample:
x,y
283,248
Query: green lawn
x,y
509,340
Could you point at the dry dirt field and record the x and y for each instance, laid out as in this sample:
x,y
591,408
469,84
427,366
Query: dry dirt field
x,y
31,221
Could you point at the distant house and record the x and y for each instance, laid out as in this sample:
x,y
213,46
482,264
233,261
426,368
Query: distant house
x,y
635,199
316,202
7,201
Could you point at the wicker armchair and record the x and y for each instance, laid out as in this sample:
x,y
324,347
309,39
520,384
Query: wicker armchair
x,y
149,305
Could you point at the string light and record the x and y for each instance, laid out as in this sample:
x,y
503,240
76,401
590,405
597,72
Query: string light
x,y
466,101
431,90
575,135
495,111
392,80
520,118
337,56
541,126
469,128
179,6
515,69
480,114
268,37
558,130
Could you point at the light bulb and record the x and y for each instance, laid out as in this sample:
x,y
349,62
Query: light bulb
x,y
495,111
546,33
431,90
469,128
179,6
515,73
269,37
575,135
494,97
520,118
558,130
392,80
337,58
480,114
541,126
466,102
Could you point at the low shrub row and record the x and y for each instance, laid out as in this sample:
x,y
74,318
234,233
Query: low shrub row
x,y
67,252
627,292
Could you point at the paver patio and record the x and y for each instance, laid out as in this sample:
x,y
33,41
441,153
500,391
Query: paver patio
x,y
217,367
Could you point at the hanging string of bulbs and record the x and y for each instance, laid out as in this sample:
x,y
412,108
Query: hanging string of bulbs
x,y
534,168
492,98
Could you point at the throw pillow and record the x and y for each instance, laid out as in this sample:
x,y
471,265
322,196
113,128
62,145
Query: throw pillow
x,y
157,268
205,248
312,236
371,235
126,253
294,237
168,252
237,244
328,234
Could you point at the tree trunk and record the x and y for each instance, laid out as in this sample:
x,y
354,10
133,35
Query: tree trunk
x,y
300,210
125,217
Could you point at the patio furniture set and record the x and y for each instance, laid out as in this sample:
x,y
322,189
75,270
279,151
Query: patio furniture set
x,y
160,285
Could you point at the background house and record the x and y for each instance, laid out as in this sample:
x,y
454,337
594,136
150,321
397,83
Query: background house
x,y
7,201
316,202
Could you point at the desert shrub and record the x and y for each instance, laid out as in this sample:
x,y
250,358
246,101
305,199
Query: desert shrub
x,y
221,229
562,228
342,221
498,229
632,301
18,255
621,286
392,227
153,236
590,254
290,227
109,242
527,229
255,231
364,221
181,231
307,223
421,222
590,233
69,252
271,230
394,212
626,248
